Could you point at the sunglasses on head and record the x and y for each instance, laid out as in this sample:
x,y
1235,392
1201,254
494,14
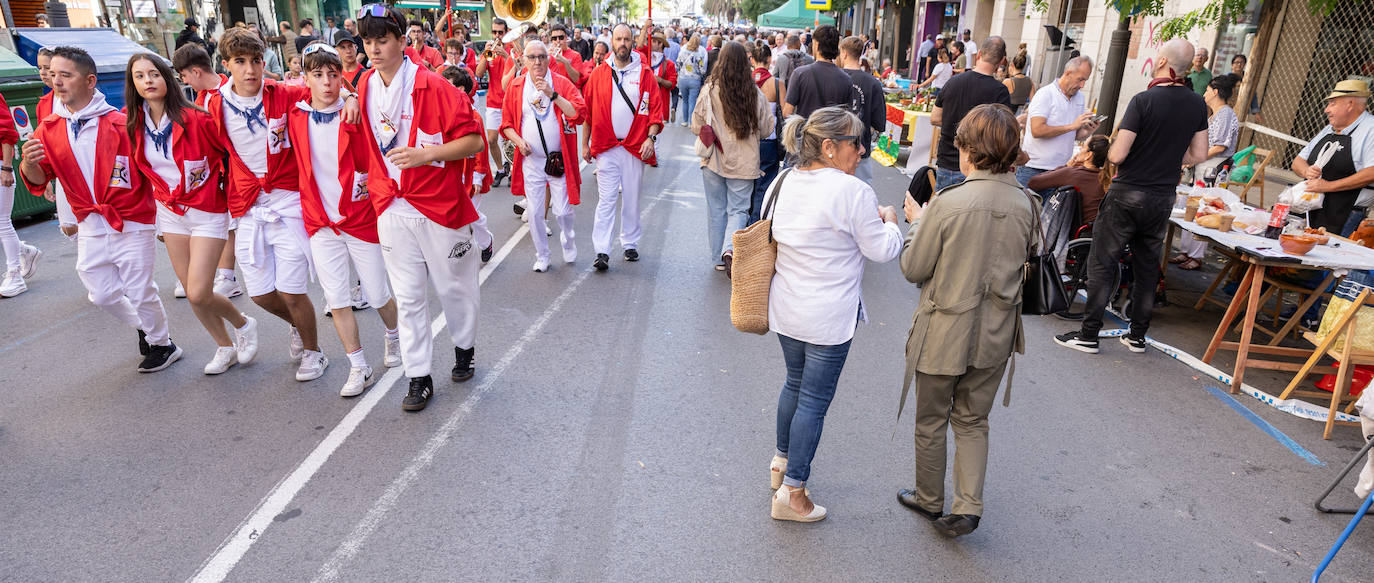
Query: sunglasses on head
x,y
317,47
376,10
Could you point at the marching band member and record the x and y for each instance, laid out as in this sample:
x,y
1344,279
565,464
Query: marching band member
x,y
84,147
495,61
540,116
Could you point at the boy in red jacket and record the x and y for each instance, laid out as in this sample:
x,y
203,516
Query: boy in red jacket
x,y
86,148
420,128
333,161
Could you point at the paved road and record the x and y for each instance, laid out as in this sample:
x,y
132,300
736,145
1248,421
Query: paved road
x,y
619,429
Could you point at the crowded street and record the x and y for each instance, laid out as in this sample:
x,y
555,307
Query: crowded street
x,y
617,430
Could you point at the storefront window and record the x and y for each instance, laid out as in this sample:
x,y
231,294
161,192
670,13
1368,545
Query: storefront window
x,y
1236,38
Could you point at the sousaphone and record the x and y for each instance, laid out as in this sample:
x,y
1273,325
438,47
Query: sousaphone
x,y
520,15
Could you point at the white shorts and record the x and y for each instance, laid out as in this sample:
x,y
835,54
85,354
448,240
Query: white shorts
x,y
332,254
492,118
282,260
195,223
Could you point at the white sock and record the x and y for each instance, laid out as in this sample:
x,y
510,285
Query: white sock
x,y
226,274
392,334
245,321
356,359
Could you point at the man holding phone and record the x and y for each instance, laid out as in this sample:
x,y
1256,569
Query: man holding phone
x,y
1057,118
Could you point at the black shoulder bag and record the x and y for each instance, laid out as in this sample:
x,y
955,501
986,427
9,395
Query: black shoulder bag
x,y
553,165
1042,290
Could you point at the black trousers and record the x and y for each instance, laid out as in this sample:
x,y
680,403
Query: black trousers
x,y
1127,217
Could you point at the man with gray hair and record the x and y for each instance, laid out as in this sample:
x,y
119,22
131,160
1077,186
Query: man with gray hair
x,y
1164,127
1347,176
791,59
1198,75
1056,119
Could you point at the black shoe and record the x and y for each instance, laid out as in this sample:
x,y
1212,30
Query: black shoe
x,y
462,364
421,389
1137,345
908,499
952,525
142,343
729,259
519,210
632,255
160,357
1077,341
603,262
487,253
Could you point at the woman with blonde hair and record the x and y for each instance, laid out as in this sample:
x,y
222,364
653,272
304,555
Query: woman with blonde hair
x,y
826,222
691,70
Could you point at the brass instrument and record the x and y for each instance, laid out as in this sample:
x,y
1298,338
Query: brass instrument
x,y
520,15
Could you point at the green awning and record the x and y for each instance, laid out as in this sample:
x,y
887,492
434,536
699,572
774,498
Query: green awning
x,y
792,15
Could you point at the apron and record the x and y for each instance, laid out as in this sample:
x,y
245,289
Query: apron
x,y
1336,206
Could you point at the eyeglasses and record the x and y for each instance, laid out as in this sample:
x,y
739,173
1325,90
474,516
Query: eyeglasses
x,y
317,47
543,57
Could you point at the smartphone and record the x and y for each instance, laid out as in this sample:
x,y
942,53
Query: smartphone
x,y
1099,118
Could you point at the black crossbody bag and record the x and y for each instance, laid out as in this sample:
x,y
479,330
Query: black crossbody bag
x,y
553,165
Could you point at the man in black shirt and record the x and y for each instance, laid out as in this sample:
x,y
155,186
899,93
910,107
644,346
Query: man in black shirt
x,y
960,95
1164,128
866,101
820,84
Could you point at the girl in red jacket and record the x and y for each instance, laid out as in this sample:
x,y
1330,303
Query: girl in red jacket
x,y
177,151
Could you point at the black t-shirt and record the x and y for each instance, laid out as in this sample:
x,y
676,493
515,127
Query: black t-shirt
x,y
866,101
961,94
1164,120
818,85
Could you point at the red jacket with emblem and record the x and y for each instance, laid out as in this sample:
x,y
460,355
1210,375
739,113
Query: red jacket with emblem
x,y
513,115
8,133
199,155
441,113
120,194
359,219
650,110
243,186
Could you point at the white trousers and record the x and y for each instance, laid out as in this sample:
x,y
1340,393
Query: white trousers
x,y
419,251
1192,246
1366,482
333,254
618,171
535,181
481,233
272,247
65,214
117,270
9,239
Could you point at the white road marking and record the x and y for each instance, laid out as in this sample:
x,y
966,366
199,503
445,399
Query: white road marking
x,y
217,567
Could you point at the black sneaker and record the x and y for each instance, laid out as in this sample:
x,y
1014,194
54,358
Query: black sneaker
x,y
1137,345
632,255
603,262
487,253
1077,341
908,499
421,389
952,525
142,343
160,357
462,364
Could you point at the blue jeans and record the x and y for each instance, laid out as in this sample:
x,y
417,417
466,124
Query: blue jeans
x,y
727,205
945,178
1025,173
690,88
768,163
813,372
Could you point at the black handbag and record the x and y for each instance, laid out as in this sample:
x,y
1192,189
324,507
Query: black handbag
x,y
1042,290
553,165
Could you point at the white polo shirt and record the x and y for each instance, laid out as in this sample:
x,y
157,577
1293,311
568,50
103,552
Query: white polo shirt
x,y
1057,110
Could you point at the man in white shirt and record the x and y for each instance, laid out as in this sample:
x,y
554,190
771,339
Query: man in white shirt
x,y
970,47
1056,119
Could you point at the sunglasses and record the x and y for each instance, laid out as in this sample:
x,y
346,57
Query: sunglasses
x,y
317,47
854,139
377,10
560,37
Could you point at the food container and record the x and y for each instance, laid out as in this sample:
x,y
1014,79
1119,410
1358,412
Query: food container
x,y
1226,221
1297,244
1190,211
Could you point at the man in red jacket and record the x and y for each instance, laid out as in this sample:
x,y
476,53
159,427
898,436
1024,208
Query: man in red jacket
x,y
429,56
66,221
420,128
494,62
86,148
563,60
625,113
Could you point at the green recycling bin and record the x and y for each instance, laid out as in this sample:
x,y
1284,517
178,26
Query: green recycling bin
x,y
20,85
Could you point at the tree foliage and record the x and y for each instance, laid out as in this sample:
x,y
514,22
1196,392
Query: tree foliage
x,y
753,8
1215,13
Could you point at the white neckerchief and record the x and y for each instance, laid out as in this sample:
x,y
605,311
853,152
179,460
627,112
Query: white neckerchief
x,y
95,108
391,102
540,103
335,107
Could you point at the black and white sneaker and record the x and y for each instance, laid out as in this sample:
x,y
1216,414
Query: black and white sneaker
x,y
463,368
1137,345
143,343
160,357
421,389
1077,341
632,255
487,253
603,262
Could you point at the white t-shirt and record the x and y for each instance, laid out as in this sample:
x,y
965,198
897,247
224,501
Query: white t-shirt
x,y
324,163
539,110
622,117
250,145
941,73
1057,110
163,164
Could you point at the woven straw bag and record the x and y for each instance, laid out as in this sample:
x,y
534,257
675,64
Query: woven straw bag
x,y
752,269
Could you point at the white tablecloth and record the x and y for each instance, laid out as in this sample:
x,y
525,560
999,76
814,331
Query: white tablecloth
x,y
1340,256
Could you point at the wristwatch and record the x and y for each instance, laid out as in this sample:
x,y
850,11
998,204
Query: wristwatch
x,y
554,97
6,169
654,138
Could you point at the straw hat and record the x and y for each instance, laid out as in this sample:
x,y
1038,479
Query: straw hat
x,y
1350,88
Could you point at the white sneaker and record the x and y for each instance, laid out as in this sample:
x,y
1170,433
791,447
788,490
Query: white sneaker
x,y
180,291
226,287
359,379
246,340
525,216
12,285
392,357
297,345
541,265
312,366
225,357
28,259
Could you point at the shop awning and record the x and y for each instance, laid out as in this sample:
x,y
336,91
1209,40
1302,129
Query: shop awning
x,y
792,15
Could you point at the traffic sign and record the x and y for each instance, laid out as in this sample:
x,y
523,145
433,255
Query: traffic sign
x,y
817,5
